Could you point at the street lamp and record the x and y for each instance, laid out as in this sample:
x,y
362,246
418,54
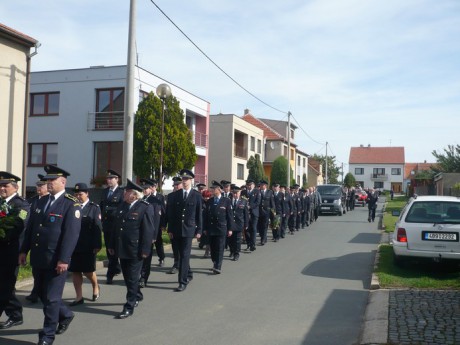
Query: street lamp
x,y
163,91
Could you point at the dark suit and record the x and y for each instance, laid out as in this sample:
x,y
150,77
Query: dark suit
x,y
9,252
185,221
51,236
132,239
294,210
372,199
218,220
278,198
174,244
287,209
108,207
253,204
158,206
241,222
267,204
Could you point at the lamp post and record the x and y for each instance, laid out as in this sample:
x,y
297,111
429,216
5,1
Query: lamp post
x,y
163,91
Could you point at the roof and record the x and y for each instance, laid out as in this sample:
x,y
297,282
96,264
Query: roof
x,y
17,36
376,155
416,167
269,133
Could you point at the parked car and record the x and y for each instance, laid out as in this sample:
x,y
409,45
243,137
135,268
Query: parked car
x,y
331,199
428,227
360,198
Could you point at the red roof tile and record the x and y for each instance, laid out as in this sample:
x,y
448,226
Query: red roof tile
x,y
19,36
376,155
269,133
409,167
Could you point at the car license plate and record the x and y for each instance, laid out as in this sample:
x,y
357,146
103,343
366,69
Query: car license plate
x,y
325,208
440,236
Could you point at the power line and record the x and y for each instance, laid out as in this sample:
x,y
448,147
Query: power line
x,y
215,64
305,132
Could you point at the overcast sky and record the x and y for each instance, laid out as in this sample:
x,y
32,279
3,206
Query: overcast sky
x,y
383,72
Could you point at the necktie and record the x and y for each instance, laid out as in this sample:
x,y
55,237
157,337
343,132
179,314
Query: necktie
x,y
110,194
185,195
50,201
216,201
234,203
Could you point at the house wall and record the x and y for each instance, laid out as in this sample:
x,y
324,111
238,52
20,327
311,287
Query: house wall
x,y
366,177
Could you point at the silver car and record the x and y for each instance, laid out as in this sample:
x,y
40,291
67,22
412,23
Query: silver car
x,y
428,227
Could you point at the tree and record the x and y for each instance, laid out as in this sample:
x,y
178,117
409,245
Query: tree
x,y
304,181
279,170
333,171
349,180
256,169
178,147
449,162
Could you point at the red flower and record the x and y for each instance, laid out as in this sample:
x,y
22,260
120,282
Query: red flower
x,y
3,214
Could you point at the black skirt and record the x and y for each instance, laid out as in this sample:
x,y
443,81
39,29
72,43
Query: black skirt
x,y
83,262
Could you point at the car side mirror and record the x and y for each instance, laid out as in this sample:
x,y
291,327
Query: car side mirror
x,y
395,213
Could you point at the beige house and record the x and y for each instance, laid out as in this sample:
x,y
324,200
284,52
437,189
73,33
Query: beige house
x,y
232,141
15,60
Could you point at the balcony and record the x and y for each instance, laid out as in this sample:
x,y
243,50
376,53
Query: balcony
x,y
379,177
106,121
200,139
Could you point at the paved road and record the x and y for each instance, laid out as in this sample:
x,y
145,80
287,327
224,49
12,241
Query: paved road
x,y
310,288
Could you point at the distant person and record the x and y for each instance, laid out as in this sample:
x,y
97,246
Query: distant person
x,y
372,199
392,194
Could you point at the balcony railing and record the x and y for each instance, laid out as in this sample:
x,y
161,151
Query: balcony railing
x,y
201,178
379,177
200,139
106,121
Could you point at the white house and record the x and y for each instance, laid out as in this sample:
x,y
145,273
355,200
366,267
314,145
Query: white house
x,y
76,120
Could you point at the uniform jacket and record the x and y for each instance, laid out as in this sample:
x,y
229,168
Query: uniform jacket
x,y
372,200
109,206
51,236
267,202
287,204
91,229
254,199
240,215
219,217
185,217
9,246
158,204
134,230
279,203
294,203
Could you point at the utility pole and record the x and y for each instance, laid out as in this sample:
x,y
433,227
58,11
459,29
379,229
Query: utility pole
x,y
326,179
129,97
342,173
289,151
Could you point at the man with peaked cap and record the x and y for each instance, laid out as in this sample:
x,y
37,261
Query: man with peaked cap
x,y
218,222
293,216
253,196
132,242
51,236
89,243
156,200
184,223
278,198
287,210
240,221
200,187
226,189
177,185
267,204
16,210
42,190
112,198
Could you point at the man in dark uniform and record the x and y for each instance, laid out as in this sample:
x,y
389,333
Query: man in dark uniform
x,y
372,199
218,224
177,185
267,205
156,200
184,223
240,220
278,198
15,210
253,196
317,203
307,206
42,190
298,202
226,191
113,197
287,210
200,187
133,223
51,236
293,216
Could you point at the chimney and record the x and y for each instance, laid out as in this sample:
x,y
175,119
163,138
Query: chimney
x,y
368,145
247,111
361,145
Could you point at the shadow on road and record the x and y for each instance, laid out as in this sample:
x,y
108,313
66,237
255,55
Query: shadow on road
x,y
366,238
343,267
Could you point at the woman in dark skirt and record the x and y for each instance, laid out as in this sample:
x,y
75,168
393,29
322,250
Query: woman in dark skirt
x,y
89,243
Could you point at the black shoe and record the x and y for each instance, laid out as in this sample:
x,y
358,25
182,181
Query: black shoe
x,y
44,342
136,304
74,303
252,248
369,220
124,314
96,297
64,325
32,298
10,323
173,270
109,280
230,255
161,263
236,257
181,287
141,283
216,271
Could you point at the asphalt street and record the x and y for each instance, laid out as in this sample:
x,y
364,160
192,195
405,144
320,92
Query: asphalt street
x,y
310,288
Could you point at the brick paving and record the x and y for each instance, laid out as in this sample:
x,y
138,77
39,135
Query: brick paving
x,y
424,317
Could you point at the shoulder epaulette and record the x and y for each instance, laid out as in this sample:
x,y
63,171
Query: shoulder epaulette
x,y
71,197
93,203
21,198
145,202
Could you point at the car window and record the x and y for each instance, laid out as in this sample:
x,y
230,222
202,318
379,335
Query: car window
x,y
330,190
434,212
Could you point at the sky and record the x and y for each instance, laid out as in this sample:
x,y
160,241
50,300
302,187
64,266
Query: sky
x,y
351,72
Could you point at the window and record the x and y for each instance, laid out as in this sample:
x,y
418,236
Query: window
x,y
378,184
240,145
292,133
44,104
142,95
285,152
292,154
42,154
110,104
107,155
379,171
259,146
359,171
304,162
253,144
240,171
395,171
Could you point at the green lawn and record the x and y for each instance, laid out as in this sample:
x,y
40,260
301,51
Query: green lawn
x,y
392,205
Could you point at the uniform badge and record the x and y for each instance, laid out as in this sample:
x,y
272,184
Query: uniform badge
x,y
52,219
77,214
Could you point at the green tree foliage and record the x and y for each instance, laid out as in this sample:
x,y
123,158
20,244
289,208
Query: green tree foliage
x,y
279,170
449,161
256,169
349,180
333,171
304,181
178,147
